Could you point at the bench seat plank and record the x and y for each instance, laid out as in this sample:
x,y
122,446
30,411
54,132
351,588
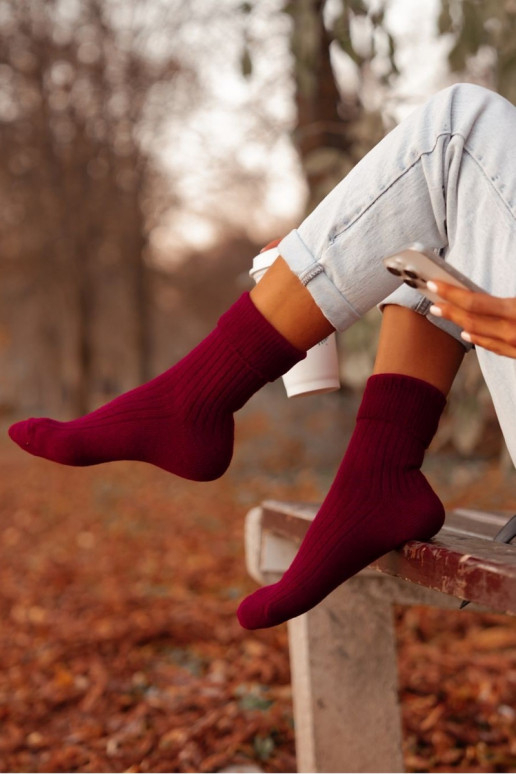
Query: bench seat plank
x,y
461,560
465,567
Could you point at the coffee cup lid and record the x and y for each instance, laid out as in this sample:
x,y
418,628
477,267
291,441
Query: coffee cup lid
x,y
264,260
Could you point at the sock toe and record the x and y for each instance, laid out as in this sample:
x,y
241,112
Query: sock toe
x,y
19,433
250,612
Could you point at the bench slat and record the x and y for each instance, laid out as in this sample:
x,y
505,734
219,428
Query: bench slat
x,y
462,559
465,567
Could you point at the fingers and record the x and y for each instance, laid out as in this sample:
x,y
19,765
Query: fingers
x,y
497,328
479,303
495,345
487,321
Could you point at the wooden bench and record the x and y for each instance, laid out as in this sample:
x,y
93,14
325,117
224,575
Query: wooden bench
x,y
343,653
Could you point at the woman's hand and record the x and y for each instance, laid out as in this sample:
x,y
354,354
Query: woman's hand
x,y
488,321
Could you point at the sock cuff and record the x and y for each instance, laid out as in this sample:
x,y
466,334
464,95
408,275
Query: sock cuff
x,y
405,401
256,341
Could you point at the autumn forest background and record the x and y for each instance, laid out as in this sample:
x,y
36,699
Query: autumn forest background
x,y
149,150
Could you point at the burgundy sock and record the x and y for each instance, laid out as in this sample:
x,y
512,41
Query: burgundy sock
x,y
181,421
379,500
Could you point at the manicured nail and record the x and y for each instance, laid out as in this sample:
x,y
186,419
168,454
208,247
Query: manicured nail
x,y
466,336
435,310
431,286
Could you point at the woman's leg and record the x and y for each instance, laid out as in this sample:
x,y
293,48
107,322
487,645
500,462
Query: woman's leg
x,y
285,302
379,498
181,421
410,345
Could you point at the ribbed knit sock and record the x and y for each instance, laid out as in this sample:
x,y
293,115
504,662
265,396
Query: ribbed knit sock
x,y
182,420
379,500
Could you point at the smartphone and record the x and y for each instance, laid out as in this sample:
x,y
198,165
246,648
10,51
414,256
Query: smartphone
x,y
416,264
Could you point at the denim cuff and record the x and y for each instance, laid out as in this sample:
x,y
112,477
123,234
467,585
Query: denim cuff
x,y
332,303
412,299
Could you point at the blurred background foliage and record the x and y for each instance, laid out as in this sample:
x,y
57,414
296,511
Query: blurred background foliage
x,y
131,208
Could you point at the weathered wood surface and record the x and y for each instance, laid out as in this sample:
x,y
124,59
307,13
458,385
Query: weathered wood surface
x,y
461,560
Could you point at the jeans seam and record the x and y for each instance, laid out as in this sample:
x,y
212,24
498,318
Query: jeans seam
x,y
387,188
311,273
490,181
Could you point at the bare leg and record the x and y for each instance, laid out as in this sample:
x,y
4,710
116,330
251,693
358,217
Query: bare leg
x,y
409,344
285,302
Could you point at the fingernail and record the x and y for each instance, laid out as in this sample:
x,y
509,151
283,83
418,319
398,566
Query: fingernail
x,y
431,286
465,336
435,310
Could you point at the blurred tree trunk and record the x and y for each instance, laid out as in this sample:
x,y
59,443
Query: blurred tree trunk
x,y
333,129
74,181
321,135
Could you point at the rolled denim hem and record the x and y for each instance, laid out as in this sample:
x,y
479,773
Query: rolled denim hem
x,y
412,299
332,303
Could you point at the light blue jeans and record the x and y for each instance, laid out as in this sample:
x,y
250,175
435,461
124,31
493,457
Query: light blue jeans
x,y
446,177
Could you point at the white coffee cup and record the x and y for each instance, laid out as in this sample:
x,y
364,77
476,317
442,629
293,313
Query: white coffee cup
x,y
319,371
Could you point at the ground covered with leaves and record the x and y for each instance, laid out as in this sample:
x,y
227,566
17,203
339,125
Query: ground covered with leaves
x,y
119,645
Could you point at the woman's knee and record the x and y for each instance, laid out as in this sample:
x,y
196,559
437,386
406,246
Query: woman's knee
x,y
470,101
